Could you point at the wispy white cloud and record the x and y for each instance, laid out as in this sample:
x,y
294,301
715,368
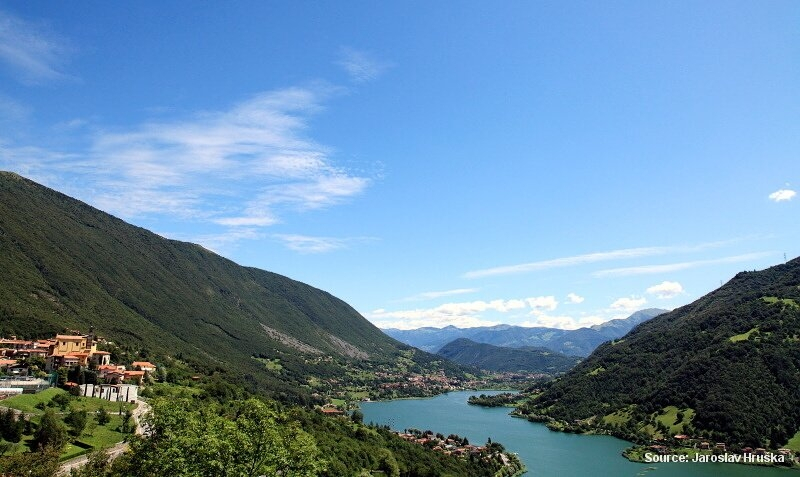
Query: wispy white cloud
x,y
216,242
410,323
71,125
360,66
574,298
308,244
564,322
575,260
488,313
13,111
243,167
674,267
782,195
33,53
541,304
666,290
463,314
628,304
440,294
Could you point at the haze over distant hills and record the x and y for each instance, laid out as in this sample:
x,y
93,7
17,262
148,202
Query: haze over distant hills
x,y
499,358
580,342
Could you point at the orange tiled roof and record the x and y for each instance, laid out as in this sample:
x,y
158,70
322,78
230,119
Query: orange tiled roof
x,y
143,364
16,341
69,337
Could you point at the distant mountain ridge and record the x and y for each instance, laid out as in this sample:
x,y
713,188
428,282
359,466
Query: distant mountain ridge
x,y
580,342
497,358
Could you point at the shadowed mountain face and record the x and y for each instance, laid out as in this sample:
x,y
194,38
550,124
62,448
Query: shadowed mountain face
x,y
496,358
731,358
66,265
578,342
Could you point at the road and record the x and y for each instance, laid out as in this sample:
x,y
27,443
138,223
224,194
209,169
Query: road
x,y
113,452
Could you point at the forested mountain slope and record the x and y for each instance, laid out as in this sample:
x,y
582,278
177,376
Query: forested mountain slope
x,y
66,265
496,358
730,361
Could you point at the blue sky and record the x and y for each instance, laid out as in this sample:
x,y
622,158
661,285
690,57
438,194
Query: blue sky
x,y
537,163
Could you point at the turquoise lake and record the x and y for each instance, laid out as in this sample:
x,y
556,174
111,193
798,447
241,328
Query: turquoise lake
x,y
545,453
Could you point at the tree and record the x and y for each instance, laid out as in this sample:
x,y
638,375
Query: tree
x,y
126,421
30,464
61,400
194,438
102,416
97,465
76,419
388,464
52,433
357,416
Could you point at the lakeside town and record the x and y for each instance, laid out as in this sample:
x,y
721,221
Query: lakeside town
x,y
76,363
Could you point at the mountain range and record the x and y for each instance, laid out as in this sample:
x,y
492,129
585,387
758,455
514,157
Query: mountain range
x,y
528,359
580,342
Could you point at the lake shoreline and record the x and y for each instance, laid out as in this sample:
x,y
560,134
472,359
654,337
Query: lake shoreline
x,y
545,453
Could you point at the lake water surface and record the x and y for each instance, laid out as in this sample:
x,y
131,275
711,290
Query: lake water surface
x,y
545,453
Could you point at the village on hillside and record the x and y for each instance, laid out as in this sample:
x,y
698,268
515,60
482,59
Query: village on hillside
x,y
70,361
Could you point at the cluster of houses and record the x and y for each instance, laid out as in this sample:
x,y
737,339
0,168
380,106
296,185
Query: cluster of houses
x,y
449,445
437,382
67,351
684,440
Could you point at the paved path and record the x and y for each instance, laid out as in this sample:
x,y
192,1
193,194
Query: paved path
x,y
113,452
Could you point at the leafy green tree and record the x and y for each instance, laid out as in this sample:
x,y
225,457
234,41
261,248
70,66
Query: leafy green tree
x,y
97,465
60,400
388,463
357,416
126,421
7,420
31,464
52,433
76,420
194,438
102,416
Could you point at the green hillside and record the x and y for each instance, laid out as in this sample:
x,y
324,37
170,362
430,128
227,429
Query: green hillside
x,y
730,362
66,265
498,358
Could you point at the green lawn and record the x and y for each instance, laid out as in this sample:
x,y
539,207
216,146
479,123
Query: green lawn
x,y
91,405
743,336
271,364
27,402
104,436
794,442
618,417
785,301
72,451
670,415
93,437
